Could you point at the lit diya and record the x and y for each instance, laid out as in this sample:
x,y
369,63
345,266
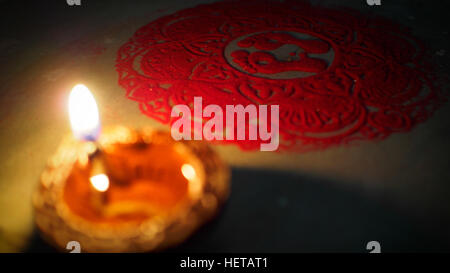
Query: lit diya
x,y
125,190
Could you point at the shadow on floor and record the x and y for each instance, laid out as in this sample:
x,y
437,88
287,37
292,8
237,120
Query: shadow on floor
x,y
273,211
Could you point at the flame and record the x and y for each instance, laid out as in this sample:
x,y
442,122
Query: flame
x,y
83,113
188,172
100,182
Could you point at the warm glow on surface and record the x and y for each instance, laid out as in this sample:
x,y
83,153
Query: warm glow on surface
x,y
83,113
100,182
188,171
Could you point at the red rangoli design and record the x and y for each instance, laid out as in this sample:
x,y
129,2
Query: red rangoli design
x,y
337,76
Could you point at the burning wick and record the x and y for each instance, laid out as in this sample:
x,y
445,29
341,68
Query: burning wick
x,y
85,123
83,113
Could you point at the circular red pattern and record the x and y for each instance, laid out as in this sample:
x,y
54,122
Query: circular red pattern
x,y
345,77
